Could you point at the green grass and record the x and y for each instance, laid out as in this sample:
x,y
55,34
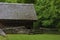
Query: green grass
x,y
33,37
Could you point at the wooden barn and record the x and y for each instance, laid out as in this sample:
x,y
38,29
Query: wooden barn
x,y
15,14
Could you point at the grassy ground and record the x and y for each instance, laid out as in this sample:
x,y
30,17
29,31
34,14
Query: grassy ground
x,y
32,37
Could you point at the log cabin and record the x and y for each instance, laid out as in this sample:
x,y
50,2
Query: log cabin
x,y
16,14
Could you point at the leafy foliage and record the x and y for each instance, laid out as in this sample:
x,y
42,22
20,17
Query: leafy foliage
x,y
11,1
2,0
48,12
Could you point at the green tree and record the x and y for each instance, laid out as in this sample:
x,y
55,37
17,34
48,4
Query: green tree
x,y
30,1
11,1
2,0
48,12
26,1
20,1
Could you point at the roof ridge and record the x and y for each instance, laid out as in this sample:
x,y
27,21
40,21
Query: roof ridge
x,y
16,3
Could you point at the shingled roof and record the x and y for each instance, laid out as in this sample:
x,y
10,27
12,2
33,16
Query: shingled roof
x,y
17,11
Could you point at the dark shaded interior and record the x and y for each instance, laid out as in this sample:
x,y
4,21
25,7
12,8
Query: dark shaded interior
x,y
15,23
